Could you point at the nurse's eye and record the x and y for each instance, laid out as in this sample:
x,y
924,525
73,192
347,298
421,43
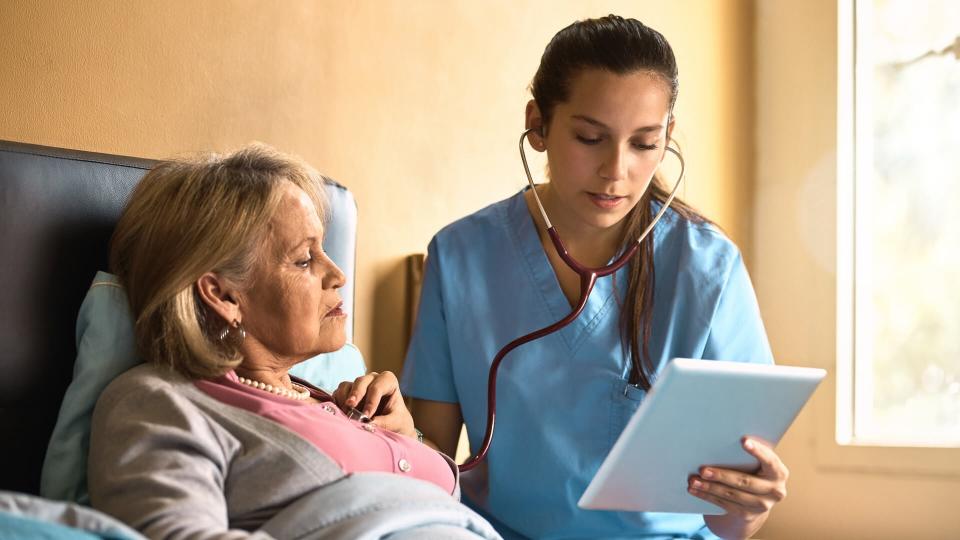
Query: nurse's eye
x,y
641,146
588,140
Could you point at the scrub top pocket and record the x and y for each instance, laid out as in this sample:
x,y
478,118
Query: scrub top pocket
x,y
625,399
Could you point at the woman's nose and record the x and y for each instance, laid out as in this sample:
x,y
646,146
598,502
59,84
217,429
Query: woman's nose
x,y
334,278
614,166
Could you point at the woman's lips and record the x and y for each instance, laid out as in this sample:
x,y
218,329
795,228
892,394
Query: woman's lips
x,y
336,311
605,202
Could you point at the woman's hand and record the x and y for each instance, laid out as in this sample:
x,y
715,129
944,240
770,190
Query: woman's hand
x,y
747,498
377,395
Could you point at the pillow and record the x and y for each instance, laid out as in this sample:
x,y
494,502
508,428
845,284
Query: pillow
x,y
105,349
328,370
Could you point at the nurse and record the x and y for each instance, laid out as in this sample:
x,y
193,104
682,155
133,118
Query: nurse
x,y
602,111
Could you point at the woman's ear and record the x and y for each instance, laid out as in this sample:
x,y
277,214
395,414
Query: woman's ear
x,y
219,296
537,137
671,121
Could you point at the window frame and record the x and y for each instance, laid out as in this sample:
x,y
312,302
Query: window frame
x,y
835,445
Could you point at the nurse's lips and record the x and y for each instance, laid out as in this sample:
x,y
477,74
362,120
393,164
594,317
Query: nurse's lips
x,y
336,311
606,202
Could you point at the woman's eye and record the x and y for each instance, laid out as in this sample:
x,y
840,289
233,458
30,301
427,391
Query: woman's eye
x,y
588,140
305,263
640,146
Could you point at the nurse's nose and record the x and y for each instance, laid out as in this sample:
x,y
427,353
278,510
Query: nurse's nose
x,y
614,166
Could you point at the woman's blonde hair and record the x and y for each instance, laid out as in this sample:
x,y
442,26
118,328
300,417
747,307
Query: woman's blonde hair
x,y
189,217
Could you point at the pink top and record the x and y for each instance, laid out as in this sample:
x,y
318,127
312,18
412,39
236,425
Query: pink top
x,y
353,445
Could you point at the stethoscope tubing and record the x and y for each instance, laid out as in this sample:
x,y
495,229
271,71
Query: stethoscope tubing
x,y
588,278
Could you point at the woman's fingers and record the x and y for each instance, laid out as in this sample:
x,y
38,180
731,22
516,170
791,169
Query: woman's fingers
x,y
370,390
342,392
398,421
740,492
396,417
737,479
359,389
371,403
379,394
757,502
734,502
771,466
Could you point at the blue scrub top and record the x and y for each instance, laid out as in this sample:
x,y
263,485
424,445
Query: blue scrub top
x,y
564,399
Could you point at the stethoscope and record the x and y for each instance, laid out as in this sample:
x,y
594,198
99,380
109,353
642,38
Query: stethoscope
x,y
588,277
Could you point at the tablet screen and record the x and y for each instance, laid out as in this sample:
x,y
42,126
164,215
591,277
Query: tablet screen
x,y
696,414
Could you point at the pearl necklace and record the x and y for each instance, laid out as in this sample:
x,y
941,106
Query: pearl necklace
x,y
299,393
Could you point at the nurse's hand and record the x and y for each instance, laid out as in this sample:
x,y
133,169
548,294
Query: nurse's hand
x,y
377,395
747,498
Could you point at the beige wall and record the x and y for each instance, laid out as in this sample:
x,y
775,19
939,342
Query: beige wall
x,y
794,272
415,105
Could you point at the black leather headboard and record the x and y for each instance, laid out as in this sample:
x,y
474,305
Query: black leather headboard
x,y
57,212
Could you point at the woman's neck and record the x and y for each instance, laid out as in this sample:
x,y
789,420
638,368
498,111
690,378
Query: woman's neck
x,y
263,367
591,246
273,377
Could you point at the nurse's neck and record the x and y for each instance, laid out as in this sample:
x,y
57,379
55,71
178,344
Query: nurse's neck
x,y
590,245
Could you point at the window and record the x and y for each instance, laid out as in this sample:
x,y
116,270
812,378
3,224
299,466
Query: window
x,y
899,221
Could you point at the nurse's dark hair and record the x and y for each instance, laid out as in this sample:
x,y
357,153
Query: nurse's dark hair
x,y
621,46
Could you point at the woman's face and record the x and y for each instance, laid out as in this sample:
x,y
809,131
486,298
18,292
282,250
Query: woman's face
x,y
293,310
604,145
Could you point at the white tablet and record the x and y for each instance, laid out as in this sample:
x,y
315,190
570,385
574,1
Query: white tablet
x,y
695,415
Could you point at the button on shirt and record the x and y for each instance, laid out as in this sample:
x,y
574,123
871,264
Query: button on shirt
x,y
355,446
563,400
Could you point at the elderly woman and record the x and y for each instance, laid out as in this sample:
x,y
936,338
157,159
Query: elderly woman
x,y
230,287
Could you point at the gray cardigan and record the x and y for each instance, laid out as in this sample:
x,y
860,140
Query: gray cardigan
x,y
173,462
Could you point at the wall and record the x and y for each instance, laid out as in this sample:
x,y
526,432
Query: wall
x,y
416,106
794,272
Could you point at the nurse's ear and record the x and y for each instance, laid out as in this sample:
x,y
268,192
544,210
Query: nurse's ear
x,y
537,137
671,122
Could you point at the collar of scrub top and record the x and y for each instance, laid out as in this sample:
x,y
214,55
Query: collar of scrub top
x,y
588,277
